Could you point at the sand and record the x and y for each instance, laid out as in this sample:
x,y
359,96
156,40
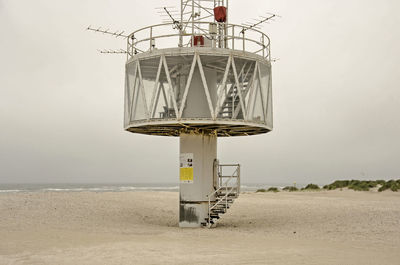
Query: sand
x,y
327,227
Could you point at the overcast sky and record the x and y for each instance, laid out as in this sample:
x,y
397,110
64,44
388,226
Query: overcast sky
x,y
336,94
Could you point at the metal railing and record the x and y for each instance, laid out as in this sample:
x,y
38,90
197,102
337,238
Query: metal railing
x,y
232,36
224,186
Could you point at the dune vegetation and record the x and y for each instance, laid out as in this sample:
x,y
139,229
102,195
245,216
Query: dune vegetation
x,y
271,189
364,185
356,185
290,188
311,187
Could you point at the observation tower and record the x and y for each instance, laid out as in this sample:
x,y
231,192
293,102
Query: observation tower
x,y
199,77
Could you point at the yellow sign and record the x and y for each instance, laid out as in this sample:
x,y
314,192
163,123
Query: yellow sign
x,y
186,174
186,171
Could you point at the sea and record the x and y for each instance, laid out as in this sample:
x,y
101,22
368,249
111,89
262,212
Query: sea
x,y
115,187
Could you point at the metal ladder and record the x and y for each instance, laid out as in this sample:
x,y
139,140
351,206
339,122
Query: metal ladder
x,y
231,101
226,191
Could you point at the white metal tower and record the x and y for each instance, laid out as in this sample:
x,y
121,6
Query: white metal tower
x,y
199,77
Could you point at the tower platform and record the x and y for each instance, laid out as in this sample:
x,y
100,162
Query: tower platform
x,y
179,90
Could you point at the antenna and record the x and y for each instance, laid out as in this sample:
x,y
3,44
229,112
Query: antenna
x,y
117,34
169,14
259,22
120,51
108,32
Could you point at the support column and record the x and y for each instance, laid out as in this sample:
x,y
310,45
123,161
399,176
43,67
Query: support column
x,y
197,155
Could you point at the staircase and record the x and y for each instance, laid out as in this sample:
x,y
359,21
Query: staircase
x,y
231,102
230,105
226,191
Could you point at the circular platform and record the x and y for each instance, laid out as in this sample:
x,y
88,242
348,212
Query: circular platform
x,y
198,89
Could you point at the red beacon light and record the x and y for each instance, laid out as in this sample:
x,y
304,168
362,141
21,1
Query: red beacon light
x,y
198,40
220,13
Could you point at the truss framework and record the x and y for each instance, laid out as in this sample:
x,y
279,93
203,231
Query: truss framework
x,y
247,98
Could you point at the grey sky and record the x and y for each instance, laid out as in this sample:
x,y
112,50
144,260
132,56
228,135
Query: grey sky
x,y
336,94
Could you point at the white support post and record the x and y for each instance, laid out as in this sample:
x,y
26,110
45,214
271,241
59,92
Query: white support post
x,y
171,89
261,95
263,49
133,91
193,22
269,91
228,66
197,151
188,82
152,103
244,41
153,110
252,87
164,95
181,27
233,37
126,99
239,89
204,80
151,39
143,91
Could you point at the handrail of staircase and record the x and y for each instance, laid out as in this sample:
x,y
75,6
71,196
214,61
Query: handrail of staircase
x,y
226,195
226,190
226,182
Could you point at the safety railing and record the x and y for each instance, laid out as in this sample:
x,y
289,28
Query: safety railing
x,y
226,186
226,36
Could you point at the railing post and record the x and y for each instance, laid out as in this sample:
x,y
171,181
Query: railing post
x,y
263,51
226,199
244,41
233,37
151,37
181,27
132,44
209,215
238,179
269,51
127,48
219,176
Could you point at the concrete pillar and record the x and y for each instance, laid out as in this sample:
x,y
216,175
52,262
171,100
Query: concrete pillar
x,y
197,155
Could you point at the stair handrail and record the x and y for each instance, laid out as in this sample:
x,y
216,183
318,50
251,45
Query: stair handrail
x,y
235,174
226,182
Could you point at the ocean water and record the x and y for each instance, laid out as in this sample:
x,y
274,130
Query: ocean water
x,y
115,187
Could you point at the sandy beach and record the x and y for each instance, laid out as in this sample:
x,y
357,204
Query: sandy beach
x,y
326,227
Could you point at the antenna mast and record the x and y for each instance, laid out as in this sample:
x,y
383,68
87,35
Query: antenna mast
x,y
263,20
108,32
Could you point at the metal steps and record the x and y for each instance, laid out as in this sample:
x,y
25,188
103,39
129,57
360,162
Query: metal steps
x,y
230,107
226,192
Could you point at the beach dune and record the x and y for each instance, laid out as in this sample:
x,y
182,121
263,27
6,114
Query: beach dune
x,y
326,227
